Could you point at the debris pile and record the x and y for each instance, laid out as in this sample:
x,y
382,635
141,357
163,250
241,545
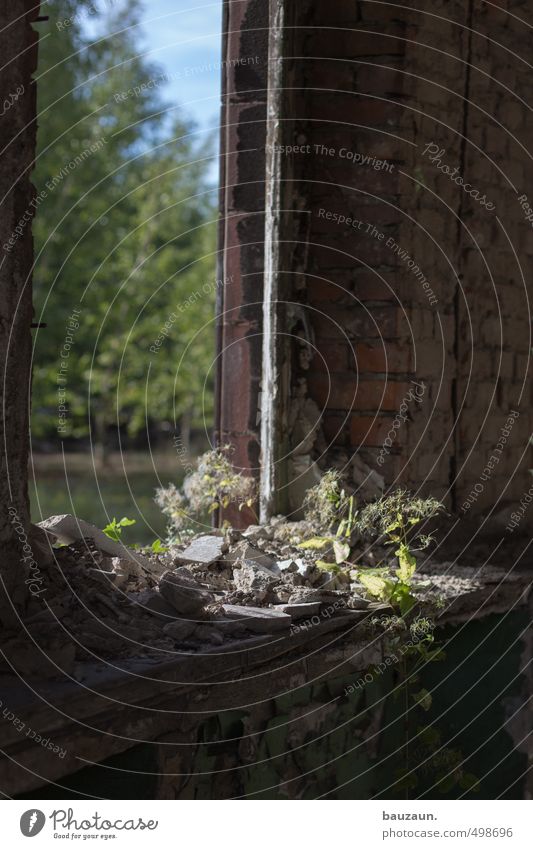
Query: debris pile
x,y
98,599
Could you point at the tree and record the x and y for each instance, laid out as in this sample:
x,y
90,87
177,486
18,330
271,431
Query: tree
x,y
124,233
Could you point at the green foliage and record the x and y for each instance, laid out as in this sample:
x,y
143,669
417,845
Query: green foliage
x,y
397,521
217,484
397,517
125,234
431,763
113,530
330,509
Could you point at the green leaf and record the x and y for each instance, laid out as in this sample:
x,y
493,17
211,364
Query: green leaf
x,y
328,567
403,598
158,548
113,530
468,781
376,585
407,563
423,699
125,522
315,543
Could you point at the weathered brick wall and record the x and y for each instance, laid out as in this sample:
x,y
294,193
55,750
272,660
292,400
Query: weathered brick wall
x,y
497,276
414,301
242,227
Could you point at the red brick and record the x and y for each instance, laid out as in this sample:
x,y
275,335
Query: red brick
x,y
379,358
328,105
324,290
351,43
342,391
336,429
372,430
332,357
357,322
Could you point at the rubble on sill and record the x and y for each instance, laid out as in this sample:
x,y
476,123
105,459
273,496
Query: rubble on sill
x,y
100,601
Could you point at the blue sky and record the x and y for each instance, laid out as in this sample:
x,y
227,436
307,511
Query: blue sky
x,y
185,38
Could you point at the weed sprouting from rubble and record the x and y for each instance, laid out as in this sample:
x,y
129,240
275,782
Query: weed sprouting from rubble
x,y
215,484
325,503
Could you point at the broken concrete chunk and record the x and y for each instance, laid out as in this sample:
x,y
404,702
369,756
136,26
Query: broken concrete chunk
x,y
253,532
251,577
287,566
68,529
104,576
41,543
129,568
205,550
215,578
305,595
151,601
356,602
209,634
180,629
183,593
260,620
300,611
245,551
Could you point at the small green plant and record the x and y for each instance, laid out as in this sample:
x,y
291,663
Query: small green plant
x,y
396,517
157,547
333,512
114,529
399,518
215,484
173,504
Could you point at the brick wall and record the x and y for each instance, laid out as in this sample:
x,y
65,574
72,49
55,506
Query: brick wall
x,y
408,290
241,232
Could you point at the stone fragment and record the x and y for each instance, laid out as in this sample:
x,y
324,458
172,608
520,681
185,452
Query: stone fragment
x,y
68,529
103,576
215,578
180,629
282,595
254,532
288,566
151,601
260,620
254,578
300,611
205,550
209,634
304,595
129,569
183,593
356,602
230,626
245,551
41,543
